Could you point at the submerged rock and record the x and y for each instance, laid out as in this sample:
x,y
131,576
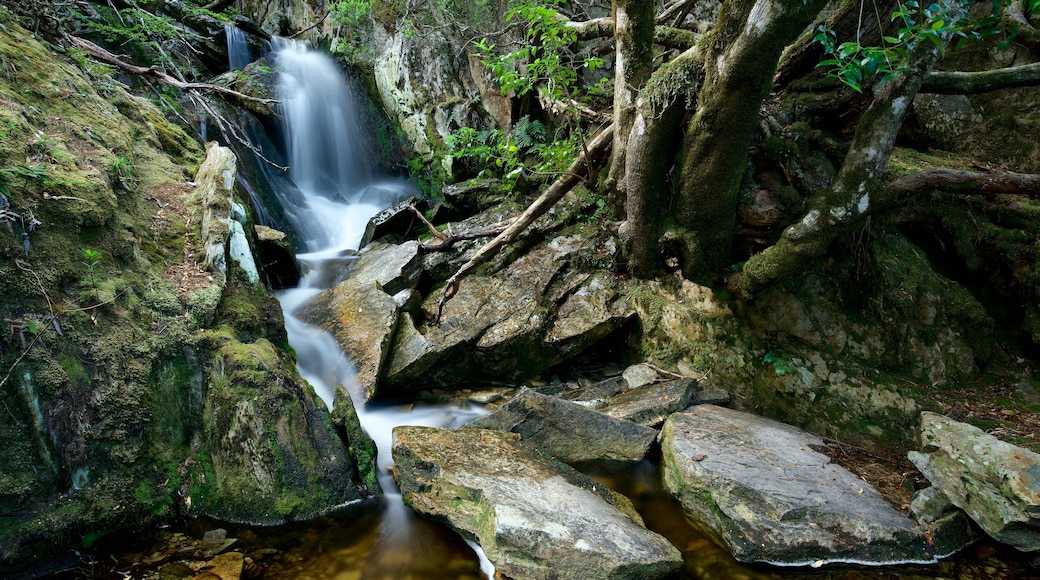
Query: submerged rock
x,y
996,483
568,431
770,497
532,517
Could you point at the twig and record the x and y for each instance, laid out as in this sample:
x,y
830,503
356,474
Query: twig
x,y
433,229
312,26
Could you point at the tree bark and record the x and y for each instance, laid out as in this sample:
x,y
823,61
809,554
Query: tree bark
x,y
633,65
740,61
655,130
855,188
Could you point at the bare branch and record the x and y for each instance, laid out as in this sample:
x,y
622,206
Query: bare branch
x,y
103,55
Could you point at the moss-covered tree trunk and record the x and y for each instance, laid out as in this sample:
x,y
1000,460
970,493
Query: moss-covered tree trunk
x,y
633,64
857,185
740,59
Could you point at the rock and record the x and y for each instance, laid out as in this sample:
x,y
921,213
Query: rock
x,y
639,375
216,541
759,485
533,518
650,405
568,431
277,257
224,567
396,219
710,397
950,528
595,396
997,484
509,325
362,311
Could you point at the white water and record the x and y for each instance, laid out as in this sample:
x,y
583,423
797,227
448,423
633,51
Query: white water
x,y
340,194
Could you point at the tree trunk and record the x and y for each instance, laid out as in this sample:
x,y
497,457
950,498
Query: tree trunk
x,y
857,184
740,61
633,65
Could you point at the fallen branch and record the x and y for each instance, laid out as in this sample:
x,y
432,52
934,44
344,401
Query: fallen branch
x,y
448,241
966,182
595,152
103,55
433,229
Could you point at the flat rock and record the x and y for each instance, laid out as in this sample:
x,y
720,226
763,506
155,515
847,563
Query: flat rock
x,y
223,567
997,484
569,431
652,403
761,487
534,518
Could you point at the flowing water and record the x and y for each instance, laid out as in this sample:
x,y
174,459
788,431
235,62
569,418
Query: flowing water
x,y
339,195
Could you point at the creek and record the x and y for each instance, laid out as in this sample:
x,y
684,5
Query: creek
x,y
381,538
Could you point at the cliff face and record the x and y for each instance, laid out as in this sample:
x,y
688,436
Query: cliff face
x,y
136,385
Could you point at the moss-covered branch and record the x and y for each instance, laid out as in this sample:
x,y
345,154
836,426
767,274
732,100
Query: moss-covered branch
x,y
1027,75
964,182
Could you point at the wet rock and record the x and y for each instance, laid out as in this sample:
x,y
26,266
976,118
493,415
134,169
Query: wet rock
x,y
568,431
216,541
277,258
224,567
361,312
761,487
651,404
532,517
397,219
997,484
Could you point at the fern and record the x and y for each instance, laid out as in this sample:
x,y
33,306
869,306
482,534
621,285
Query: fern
x,y
527,133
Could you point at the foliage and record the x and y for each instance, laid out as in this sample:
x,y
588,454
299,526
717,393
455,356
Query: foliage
x,y
349,14
543,64
780,365
27,172
857,65
513,155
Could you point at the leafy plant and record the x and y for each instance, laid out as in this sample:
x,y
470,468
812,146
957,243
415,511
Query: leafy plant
x,y
857,65
91,260
780,365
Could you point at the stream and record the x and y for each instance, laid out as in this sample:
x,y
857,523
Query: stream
x,y
382,538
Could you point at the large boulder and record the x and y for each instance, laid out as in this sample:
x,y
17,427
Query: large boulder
x,y
568,431
534,518
996,483
507,326
761,487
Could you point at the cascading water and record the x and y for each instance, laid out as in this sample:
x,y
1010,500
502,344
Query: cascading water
x,y
339,195
239,54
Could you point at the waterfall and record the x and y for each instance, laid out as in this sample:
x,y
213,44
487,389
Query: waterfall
x,y
239,54
335,195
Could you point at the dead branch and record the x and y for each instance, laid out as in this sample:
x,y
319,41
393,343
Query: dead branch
x,y
596,151
433,229
449,241
966,182
103,55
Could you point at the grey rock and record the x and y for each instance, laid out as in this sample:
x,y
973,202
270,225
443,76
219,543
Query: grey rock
x,y
568,431
711,397
638,375
533,518
650,405
997,484
761,487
